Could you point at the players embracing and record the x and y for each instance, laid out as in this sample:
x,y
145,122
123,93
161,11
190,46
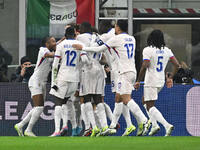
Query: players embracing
x,y
124,46
65,80
37,86
83,68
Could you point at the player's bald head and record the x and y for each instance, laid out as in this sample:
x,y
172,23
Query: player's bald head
x,y
49,42
46,40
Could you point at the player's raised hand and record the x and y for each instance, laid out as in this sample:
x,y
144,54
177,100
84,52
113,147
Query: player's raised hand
x,y
77,46
169,83
137,85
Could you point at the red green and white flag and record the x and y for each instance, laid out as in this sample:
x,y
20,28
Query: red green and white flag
x,y
49,17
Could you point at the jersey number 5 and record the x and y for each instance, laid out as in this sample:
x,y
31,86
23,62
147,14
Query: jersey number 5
x,y
129,48
71,55
159,64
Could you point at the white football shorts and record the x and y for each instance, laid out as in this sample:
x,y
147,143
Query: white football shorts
x,y
114,80
37,87
126,83
65,89
91,83
151,93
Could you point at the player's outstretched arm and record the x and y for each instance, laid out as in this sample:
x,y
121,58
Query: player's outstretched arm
x,y
77,46
90,49
145,65
62,39
49,55
95,49
55,69
84,58
176,66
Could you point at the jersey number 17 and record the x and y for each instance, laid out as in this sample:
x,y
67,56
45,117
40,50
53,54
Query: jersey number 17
x,y
129,48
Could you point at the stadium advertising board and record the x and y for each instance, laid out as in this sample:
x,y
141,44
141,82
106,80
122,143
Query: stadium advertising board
x,y
179,105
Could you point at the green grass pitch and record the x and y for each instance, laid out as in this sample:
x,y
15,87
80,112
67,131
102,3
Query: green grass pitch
x,y
100,143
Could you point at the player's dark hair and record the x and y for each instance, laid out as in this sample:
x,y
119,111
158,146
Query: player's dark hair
x,y
72,24
156,39
94,30
85,28
77,27
104,26
123,25
45,40
70,33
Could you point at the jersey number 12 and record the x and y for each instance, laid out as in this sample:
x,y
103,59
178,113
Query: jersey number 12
x,y
71,55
